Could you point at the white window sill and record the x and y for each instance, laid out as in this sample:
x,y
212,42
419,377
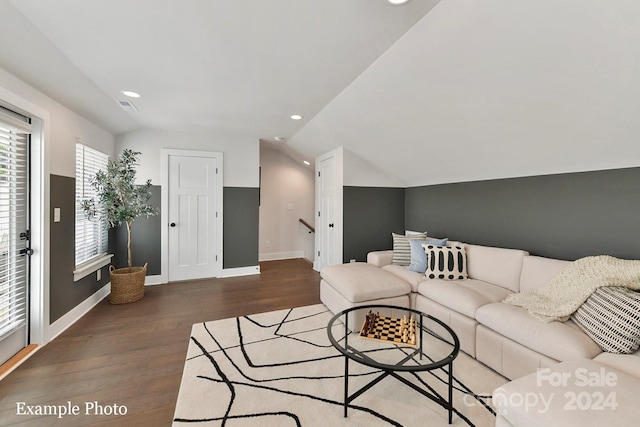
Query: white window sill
x,y
91,266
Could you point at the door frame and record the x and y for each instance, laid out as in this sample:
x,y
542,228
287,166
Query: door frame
x,y
164,206
336,251
39,328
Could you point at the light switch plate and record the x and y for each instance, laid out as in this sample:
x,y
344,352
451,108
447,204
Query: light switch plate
x,y
56,214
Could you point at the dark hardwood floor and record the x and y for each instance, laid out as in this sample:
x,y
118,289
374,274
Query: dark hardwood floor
x,y
133,354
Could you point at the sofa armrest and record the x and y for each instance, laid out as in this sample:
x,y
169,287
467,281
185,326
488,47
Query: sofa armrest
x,y
380,258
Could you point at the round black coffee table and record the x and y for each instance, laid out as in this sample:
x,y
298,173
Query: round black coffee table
x,y
436,346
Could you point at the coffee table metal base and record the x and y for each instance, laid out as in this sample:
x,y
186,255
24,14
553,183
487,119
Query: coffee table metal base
x,y
448,405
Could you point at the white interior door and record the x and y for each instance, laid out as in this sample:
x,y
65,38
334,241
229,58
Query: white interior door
x,y
14,237
328,206
195,216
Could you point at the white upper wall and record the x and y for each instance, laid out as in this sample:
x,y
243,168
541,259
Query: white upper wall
x,y
493,89
241,155
358,172
65,126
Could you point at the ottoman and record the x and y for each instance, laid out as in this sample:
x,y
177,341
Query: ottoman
x,y
349,285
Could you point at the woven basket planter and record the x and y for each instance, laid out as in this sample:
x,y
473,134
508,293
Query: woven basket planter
x,y
127,284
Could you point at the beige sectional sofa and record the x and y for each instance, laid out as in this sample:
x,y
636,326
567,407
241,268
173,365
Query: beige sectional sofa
x,y
503,336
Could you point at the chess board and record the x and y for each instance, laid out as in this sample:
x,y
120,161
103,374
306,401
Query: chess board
x,y
387,329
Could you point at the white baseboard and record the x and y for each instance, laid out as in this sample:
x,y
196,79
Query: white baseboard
x,y
60,325
158,279
240,271
281,255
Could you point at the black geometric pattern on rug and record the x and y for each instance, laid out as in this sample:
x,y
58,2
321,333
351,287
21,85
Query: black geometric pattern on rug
x,y
219,353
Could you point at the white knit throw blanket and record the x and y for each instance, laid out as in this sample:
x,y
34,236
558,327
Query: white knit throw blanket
x,y
566,292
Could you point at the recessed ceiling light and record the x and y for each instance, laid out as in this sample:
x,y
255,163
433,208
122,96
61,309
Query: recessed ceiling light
x,y
296,117
279,138
307,163
398,2
131,94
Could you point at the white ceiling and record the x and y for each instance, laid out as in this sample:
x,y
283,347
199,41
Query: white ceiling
x,y
238,67
426,93
492,89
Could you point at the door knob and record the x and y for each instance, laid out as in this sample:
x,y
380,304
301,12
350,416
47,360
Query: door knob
x,y
173,224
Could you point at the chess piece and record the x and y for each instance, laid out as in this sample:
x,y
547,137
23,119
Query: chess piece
x,y
370,323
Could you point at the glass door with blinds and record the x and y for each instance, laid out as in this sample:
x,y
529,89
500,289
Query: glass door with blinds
x,y
14,233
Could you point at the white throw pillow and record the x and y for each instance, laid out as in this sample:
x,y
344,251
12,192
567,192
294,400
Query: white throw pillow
x,y
446,262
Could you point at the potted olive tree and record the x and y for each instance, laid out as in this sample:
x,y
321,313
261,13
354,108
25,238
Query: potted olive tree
x,y
123,201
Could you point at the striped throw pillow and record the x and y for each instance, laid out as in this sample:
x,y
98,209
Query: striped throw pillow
x,y
402,248
611,317
446,262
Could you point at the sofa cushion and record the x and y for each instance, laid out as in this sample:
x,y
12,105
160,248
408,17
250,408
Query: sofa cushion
x,y
537,271
629,363
358,282
611,317
380,258
463,296
570,394
407,275
402,249
560,341
445,262
499,266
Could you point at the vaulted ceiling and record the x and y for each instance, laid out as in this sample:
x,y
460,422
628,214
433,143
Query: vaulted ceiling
x,y
239,67
426,93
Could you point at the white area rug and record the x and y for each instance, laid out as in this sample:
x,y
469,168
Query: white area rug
x,y
279,369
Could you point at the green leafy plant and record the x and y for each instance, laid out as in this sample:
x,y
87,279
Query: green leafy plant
x,y
117,192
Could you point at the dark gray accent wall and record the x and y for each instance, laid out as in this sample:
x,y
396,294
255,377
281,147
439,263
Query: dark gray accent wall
x,y
145,238
564,216
370,215
240,232
65,294
241,220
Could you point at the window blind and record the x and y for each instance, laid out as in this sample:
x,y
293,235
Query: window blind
x,y
91,235
14,134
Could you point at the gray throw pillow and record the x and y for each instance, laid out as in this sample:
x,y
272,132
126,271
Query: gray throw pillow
x,y
418,256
